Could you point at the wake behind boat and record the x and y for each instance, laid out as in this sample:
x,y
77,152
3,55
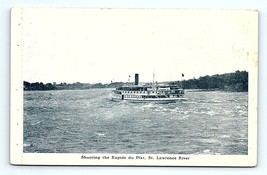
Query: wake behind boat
x,y
148,93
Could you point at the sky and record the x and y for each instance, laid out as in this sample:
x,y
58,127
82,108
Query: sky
x,y
104,45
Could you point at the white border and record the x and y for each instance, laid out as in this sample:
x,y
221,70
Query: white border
x,y
16,121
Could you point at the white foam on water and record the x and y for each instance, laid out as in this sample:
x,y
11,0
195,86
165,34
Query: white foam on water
x,y
206,151
173,110
184,112
33,124
26,144
185,117
149,105
242,112
225,136
101,135
237,107
211,113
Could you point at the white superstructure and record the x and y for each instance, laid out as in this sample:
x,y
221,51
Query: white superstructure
x,y
148,93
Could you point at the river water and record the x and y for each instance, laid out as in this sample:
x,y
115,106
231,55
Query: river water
x,y
87,121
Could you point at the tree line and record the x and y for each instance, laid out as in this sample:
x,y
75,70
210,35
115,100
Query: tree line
x,y
39,86
237,81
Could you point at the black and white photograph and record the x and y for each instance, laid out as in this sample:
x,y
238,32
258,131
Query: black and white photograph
x,y
145,87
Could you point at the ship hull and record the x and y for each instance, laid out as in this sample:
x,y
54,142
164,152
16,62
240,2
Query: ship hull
x,y
147,100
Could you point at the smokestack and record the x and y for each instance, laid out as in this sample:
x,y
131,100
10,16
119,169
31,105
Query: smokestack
x,y
136,79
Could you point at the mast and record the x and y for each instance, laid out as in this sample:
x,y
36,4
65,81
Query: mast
x,y
129,78
153,77
154,86
182,80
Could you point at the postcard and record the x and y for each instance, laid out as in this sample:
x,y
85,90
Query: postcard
x,y
133,87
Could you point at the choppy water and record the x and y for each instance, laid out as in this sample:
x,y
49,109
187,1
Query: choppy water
x,y
86,121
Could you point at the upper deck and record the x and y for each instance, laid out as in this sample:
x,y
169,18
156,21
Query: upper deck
x,y
158,89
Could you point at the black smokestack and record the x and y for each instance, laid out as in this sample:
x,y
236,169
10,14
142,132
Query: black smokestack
x,y
136,79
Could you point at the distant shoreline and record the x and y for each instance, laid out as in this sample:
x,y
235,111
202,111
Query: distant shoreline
x,y
234,82
186,90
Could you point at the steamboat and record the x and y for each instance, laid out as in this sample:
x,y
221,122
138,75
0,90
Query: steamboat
x,y
148,93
